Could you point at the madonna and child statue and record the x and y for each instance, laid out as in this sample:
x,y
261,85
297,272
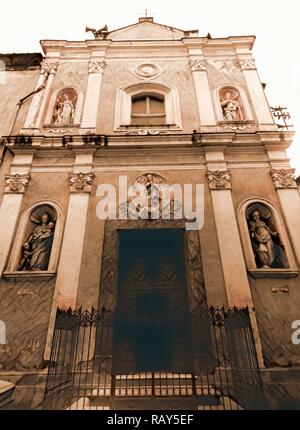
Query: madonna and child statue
x,y
36,250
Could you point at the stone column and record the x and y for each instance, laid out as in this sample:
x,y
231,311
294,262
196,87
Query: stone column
x,y
91,105
234,269
286,187
256,91
203,92
15,187
48,71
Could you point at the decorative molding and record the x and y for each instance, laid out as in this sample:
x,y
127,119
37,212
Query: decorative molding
x,y
148,132
198,65
49,68
274,274
247,64
16,184
28,276
219,179
236,126
59,130
147,70
284,289
284,178
81,182
150,179
97,66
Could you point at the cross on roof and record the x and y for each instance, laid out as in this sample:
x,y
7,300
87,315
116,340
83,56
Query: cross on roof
x,y
146,14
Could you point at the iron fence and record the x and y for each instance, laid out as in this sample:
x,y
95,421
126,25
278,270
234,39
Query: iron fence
x,y
224,371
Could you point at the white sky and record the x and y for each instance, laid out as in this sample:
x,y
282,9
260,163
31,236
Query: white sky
x,y
276,24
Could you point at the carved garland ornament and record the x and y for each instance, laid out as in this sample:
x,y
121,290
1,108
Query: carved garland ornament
x,y
16,183
97,66
284,178
219,179
81,182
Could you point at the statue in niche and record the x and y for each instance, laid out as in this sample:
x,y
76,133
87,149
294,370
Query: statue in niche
x,y
268,249
64,111
231,107
37,249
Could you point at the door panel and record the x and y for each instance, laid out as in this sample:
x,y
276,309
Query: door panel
x,y
151,331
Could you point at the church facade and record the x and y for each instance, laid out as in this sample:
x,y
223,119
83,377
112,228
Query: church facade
x,y
169,296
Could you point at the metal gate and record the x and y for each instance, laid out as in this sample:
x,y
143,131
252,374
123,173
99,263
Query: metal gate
x,y
224,375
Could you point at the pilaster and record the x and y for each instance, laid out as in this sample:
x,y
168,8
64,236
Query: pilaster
x,y
92,99
198,66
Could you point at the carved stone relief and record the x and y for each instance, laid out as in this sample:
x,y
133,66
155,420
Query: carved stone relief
x,y
236,127
81,182
48,67
219,179
150,197
198,65
284,178
16,183
146,71
97,66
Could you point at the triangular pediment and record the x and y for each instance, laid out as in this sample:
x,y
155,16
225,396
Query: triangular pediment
x,y
147,30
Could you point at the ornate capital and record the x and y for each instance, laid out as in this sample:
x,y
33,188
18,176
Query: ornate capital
x,y
97,66
198,65
284,178
47,67
16,184
247,64
81,182
219,179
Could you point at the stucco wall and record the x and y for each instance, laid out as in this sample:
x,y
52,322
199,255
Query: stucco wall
x,y
18,84
119,74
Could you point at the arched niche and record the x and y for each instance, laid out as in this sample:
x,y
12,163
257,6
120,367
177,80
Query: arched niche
x,y
65,107
43,236
232,104
265,240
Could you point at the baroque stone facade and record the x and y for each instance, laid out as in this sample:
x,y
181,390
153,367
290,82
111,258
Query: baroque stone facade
x,y
177,117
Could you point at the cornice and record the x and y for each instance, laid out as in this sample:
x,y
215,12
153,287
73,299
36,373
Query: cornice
x,y
229,140
193,42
